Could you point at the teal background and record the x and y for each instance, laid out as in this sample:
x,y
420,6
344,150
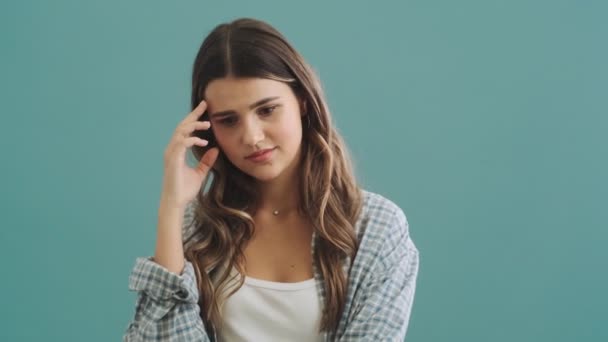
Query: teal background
x,y
486,121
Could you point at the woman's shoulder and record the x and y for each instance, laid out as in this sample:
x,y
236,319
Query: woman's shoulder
x,y
380,217
377,206
383,233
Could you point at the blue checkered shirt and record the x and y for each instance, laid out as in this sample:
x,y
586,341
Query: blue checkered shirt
x,y
381,285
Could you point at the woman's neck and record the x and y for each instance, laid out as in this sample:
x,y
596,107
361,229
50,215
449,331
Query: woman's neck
x,y
281,194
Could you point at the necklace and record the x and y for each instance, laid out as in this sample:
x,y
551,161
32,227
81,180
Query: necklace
x,y
274,212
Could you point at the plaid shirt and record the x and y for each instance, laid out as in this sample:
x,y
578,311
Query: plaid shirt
x,y
381,285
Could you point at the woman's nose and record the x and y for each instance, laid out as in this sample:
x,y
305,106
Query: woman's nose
x,y
253,132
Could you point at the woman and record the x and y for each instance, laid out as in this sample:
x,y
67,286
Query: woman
x,y
284,245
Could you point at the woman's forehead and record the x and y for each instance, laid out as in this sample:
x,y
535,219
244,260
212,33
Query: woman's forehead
x,y
239,93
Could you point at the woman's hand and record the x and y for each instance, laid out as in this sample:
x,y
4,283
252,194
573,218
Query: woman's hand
x,y
181,183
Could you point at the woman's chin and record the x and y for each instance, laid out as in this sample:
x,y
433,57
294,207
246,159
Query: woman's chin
x,y
264,177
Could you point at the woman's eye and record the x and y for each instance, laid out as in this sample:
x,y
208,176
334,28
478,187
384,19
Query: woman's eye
x,y
267,110
228,121
231,120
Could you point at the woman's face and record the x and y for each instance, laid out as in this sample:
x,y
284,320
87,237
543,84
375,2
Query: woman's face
x,y
250,115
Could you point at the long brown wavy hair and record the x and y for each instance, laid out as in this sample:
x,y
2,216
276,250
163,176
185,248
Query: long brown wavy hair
x,y
329,195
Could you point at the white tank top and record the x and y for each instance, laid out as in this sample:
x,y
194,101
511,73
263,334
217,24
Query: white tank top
x,y
269,311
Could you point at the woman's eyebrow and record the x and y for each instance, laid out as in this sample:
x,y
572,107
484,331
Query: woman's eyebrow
x,y
251,106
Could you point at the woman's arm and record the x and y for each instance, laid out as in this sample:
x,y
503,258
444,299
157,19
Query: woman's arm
x,y
169,251
167,303
382,311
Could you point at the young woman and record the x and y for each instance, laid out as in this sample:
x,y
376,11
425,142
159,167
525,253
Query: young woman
x,y
283,245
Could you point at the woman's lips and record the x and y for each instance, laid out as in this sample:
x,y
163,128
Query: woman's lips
x,y
261,156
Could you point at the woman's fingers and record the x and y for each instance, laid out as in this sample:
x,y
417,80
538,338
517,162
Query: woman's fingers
x,y
191,141
185,131
208,159
180,144
196,113
188,128
183,138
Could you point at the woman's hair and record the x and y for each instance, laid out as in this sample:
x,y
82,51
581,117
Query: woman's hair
x,y
329,196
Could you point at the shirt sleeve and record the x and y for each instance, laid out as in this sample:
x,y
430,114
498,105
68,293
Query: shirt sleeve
x,y
167,303
382,313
